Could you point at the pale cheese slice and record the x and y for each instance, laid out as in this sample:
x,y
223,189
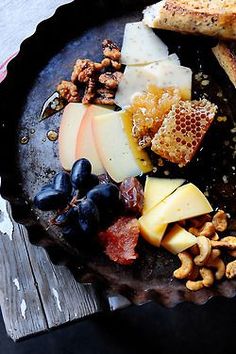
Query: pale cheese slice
x,y
186,202
141,45
69,127
165,73
157,189
86,147
114,147
178,240
173,58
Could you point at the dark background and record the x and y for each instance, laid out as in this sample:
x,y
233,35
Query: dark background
x,y
149,328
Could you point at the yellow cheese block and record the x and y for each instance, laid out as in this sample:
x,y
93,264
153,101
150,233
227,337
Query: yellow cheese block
x,y
151,232
186,202
178,239
157,189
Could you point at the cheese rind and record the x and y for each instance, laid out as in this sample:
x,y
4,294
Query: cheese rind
x,y
141,45
140,155
157,189
67,141
186,202
113,146
178,240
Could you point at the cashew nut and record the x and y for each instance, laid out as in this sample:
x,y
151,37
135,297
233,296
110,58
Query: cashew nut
x,y
220,221
208,229
231,270
215,262
186,267
207,277
227,242
194,285
214,254
231,239
204,245
207,280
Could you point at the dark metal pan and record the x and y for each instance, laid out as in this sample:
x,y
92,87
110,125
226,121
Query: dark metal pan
x,y
77,30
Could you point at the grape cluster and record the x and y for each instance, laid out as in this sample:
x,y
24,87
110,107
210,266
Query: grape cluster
x,y
83,205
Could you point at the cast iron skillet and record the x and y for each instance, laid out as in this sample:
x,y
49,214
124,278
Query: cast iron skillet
x,y
77,30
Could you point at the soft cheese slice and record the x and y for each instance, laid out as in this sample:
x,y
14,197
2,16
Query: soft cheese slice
x,y
173,58
186,202
157,189
152,232
165,73
141,45
135,80
112,137
69,127
168,74
178,240
85,141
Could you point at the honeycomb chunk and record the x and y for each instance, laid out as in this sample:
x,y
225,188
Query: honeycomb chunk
x,y
148,111
183,129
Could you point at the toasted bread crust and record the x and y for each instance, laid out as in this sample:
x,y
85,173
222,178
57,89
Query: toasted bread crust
x,y
212,18
227,59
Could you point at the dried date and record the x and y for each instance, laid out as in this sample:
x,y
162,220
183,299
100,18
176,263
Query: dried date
x,y
132,195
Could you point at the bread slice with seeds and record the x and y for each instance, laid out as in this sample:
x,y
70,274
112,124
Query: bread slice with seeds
x,y
225,53
208,17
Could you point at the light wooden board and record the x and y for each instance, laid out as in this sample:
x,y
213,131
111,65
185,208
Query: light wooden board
x,y
35,295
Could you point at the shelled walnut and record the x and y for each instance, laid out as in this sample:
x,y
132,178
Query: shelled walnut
x,y
97,81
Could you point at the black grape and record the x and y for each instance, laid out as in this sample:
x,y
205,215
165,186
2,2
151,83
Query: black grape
x,y
80,173
50,199
88,217
105,196
61,183
91,182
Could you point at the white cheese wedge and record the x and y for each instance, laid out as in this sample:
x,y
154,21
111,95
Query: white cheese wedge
x,y
85,141
116,147
168,74
186,202
69,127
135,80
178,240
173,58
157,189
141,45
165,73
